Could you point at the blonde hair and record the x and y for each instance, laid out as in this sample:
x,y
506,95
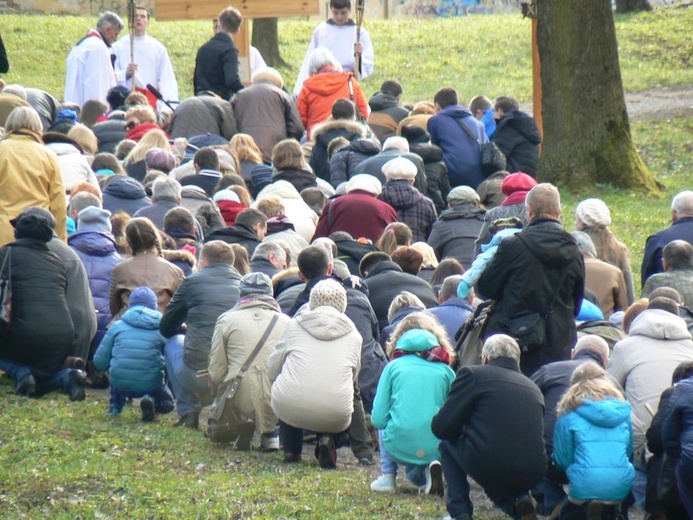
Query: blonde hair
x,y
589,382
143,113
152,139
288,154
85,138
421,320
271,205
241,261
246,148
430,261
395,234
401,301
243,194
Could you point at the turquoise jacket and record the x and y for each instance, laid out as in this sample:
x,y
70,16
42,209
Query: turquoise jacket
x,y
132,351
593,445
410,392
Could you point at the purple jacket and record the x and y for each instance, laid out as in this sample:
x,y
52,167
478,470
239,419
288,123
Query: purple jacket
x,y
415,210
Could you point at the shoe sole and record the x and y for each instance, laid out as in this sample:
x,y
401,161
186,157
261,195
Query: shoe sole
x,y
327,456
76,386
525,509
435,484
147,407
383,489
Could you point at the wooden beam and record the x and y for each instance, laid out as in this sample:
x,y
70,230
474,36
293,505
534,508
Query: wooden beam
x,y
193,10
536,74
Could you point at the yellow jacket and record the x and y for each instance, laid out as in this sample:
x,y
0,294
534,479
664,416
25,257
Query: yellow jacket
x,y
29,176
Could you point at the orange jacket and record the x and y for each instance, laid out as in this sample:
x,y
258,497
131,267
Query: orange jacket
x,y
321,90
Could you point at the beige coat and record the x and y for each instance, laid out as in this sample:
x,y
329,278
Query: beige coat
x,y
314,369
29,176
610,250
144,269
607,283
235,336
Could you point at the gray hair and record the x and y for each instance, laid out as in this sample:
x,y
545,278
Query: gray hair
x,y
321,57
396,142
500,346
16,89
593,343
109,18
584,242
23,118
682,203
82,200
265,249
166,187
449,288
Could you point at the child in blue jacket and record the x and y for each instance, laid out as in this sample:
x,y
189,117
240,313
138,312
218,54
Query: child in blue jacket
x,y
132,352
411,390
593,444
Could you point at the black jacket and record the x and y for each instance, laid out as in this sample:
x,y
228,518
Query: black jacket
x,y
110,132
236,234
216,67
374,167
199,300
323,134
344,164
517,136
525,278
352,252
494,417
437,182
298,177
387,280
454,233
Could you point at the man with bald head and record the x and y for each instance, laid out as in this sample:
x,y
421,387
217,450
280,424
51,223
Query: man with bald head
x,y
677,261
681,229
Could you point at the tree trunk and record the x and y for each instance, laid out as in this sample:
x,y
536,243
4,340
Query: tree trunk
x,y
628,6
266,40
587,136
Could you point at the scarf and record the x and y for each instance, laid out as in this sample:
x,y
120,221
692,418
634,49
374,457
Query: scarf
x,y
517,197
436,354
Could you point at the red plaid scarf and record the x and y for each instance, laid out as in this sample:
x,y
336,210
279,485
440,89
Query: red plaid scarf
x,y
436,354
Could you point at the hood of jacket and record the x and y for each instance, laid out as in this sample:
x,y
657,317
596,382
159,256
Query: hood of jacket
x,y
283,189
142,317
400,194
427,151
279,224
382,101
239,230
194,192
64,149
339,127
302,174
659,324
417,340
463,211
364,146
608,413
324,323
522,123
93,243
551,244
327,82
125,188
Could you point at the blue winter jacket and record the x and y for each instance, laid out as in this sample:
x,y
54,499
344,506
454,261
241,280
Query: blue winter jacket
x,y
98,252
132,351
677,431
461,154
452,313
593,445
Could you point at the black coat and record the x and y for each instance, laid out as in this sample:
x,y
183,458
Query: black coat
x,y
386,280
298,177
344,164
41,331
494,417
216,67
236,234
323,134
437,182
517,136
110,132
454,233
525,278
352,252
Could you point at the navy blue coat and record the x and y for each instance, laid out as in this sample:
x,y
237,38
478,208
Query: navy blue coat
x,y
682,229
125,194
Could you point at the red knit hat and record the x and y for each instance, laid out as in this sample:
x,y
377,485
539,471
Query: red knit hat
x,y
517,182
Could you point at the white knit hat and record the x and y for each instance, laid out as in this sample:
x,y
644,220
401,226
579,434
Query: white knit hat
x,y
328,293
226,195
365,182
593,212
399,168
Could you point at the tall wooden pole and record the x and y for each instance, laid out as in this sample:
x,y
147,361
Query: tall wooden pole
x,y
536,70
242,40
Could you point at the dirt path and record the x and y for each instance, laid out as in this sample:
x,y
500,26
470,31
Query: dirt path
x,y
664,103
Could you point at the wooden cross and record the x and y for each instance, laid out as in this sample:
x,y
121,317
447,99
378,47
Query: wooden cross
x,y
195,10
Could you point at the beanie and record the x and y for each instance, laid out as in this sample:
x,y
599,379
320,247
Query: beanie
x,y
517,182
160,159
144,297
269,75
364,182
261,175
399,169
463,195
226,194
328,293
94,219
593,212
70,225
67,113
256,283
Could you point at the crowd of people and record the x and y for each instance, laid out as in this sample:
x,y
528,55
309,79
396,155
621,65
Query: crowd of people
x,y
325,265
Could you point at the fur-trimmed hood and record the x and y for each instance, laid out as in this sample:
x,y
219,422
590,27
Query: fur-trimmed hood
x,y
352,127
176,256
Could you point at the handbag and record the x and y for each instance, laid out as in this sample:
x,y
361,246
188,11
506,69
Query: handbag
x,y
6,294
223,422
492,159
529,327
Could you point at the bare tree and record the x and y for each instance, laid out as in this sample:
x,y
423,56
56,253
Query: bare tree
x,y
266,40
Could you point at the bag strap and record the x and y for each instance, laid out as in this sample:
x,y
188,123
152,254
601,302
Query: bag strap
x,y
467,130
259,346
560,280
351,89
329,216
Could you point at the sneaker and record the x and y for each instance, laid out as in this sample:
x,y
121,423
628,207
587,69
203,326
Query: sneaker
x,y
367,460
327,454
269,442
26,386
76,381
384,484
147,407
524,508
245,436
434,479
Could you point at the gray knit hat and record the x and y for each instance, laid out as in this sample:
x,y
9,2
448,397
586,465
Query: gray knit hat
x,y
256,283
94,219
463,195
328,293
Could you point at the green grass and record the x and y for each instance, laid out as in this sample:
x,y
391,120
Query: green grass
x,y
477,54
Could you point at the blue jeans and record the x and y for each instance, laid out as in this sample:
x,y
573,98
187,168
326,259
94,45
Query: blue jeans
x,y
415,474
550,493
57,381
192,392
163,400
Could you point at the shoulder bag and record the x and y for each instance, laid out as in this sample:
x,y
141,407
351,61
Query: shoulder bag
x,y
492,159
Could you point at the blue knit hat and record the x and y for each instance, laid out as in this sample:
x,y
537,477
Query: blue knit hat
x,y
94,219
144,297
